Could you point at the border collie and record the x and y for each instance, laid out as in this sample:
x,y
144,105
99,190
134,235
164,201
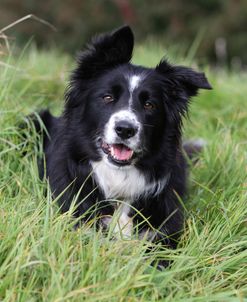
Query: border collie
x,y
117,145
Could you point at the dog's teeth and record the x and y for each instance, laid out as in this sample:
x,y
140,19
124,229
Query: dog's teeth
x,y
112,151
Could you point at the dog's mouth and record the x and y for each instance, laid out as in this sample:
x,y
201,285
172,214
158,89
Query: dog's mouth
x,y
118,153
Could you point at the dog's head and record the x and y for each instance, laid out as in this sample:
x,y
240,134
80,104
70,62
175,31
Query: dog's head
x,y
124,113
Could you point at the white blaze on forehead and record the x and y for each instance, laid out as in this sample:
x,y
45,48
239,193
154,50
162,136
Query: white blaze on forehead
x,y
134,82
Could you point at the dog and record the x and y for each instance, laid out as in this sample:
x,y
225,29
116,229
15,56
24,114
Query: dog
x,y
117,145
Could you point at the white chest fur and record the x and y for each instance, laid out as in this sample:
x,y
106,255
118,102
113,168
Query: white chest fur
x,y
126,183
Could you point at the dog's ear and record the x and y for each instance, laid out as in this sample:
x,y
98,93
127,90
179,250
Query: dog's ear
x,y
188,79
180,83
105,51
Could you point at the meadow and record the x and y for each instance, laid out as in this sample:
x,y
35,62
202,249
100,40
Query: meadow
x,y
42,258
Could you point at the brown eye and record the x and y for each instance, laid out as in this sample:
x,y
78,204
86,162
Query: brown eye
x,y
108,98
148,106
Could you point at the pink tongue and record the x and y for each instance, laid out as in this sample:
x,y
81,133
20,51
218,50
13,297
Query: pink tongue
x,y
121,152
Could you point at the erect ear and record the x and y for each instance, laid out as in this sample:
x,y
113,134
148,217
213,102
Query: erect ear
x,y
105,51
185,77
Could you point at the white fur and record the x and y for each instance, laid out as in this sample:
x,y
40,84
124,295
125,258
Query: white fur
x,y
126,183
147,234
123,226
110,135
197,143
134,82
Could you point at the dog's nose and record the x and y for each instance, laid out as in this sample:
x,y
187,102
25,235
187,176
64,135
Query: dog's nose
x,y
125,129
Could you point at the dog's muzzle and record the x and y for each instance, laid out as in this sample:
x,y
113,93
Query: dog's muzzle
x,y
121,138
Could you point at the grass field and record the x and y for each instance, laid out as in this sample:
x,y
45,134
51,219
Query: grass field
x,y
43,259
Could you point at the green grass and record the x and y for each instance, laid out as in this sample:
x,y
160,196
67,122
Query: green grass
x,y
43,259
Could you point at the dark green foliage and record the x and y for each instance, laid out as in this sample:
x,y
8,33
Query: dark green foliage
x,y
169,22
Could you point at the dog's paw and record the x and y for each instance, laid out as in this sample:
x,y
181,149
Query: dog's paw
x,y
193,147
121,227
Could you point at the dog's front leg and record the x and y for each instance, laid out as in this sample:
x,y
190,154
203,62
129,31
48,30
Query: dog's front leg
x,y
120,224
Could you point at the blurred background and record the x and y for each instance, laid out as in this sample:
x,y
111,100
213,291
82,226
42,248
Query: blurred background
x,y
214,30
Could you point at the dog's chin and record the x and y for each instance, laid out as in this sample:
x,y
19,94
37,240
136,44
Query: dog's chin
x,y
118,155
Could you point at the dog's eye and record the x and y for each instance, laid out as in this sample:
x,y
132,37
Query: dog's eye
x,y
108,98
148,106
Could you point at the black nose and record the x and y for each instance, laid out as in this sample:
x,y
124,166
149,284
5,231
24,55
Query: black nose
x,y
125,129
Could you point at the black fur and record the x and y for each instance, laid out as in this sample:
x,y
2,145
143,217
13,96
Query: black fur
x,y
102,69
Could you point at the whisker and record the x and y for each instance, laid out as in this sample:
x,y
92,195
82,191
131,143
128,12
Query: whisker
x,y
148,125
